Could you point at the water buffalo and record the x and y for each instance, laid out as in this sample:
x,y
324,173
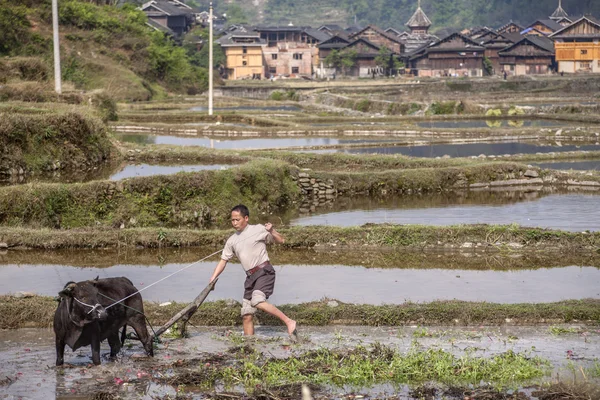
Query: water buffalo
x,y
81,318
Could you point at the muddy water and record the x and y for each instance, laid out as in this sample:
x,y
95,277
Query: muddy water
x,y
260,143
494,123
571,212
300,283
28,356
469,149
588,165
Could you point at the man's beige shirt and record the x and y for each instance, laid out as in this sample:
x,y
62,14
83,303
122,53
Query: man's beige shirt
x,y
249,246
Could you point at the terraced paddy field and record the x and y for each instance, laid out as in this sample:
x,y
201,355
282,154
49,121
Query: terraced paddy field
x,y
445,247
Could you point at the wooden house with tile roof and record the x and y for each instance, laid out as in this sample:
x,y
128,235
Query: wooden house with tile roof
x,y
511,27
454,55
532,55
578,46
381,38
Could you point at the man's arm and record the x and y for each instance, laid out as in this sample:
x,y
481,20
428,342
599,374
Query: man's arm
x,y
277,238
218,269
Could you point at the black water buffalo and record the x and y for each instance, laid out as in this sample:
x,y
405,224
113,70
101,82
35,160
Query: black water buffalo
x,y
81,318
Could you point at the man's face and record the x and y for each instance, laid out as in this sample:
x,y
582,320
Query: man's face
x,y
238,221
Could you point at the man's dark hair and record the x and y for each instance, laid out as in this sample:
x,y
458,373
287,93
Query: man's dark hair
x,y
242,209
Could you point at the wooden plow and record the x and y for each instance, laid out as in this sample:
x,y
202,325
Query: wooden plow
x,y
185,314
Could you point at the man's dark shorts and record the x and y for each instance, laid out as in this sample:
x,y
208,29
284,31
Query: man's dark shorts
x,y
257,288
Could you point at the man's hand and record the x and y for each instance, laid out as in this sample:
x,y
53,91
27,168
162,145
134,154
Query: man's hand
x,y
269,227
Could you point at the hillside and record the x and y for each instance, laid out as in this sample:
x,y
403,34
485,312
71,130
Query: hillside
x,y
394,13
102,47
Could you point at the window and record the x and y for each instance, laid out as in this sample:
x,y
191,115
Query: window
x,y
295,70
297,56
583,51
272,70
585,65
244,63
273,56
244,50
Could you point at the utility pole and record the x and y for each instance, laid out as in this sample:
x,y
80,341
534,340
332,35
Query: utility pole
x,y
57,77
210,60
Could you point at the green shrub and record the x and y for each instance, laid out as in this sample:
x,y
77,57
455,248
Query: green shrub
x,y
277,95
106,105
442,107
363,105
516,111
493,112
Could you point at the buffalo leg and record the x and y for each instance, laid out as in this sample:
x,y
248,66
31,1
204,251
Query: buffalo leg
x,y
60,351
95,340
138,324
115,344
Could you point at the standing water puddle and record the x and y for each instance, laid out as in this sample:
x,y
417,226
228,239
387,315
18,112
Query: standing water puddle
x,y
571,212
259,143
305,283
494,123
467,149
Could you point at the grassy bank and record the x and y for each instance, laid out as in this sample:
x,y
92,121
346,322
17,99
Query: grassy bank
x,y
186,199
32,143
491,238
374,257
38,311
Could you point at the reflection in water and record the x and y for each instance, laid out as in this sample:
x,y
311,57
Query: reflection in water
x,y
131,171
574,212
304,283
590,165
494,123
259,143
467,149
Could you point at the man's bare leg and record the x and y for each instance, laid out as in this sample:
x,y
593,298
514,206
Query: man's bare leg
x,y
274,311
248,324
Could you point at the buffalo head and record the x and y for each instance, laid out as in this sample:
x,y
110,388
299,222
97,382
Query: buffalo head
x,y
83,302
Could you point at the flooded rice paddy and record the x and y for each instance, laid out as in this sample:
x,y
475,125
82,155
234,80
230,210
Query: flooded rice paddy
x,y
495,123
306,282
570,212
249,108
258,143
137,170
588,165
468,149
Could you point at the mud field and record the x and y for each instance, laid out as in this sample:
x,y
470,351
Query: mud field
x,y
193,367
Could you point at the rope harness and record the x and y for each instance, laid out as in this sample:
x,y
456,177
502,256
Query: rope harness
x,y
93,308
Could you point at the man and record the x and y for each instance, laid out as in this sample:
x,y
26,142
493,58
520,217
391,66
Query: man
x,y
248,244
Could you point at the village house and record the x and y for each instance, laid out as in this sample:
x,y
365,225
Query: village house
x,y
454,55
173,14
542,27
365,64
511,27
291,50
244,55
493,43
578,46
532,55
380,38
